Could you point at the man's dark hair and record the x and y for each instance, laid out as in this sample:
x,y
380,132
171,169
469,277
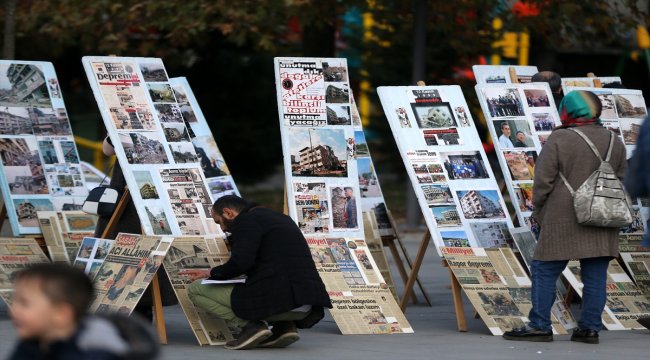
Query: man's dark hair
x,y
61,283
233,202
504,124
552,78
347,188
520,132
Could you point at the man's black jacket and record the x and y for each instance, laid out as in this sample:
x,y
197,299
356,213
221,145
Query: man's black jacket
x,y
270,249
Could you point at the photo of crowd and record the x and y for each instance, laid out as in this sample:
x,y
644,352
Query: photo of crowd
x,y
503,102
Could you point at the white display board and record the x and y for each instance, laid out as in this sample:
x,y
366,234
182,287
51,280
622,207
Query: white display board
x,y
150,122
500,74
444,158
589,82
39,167
515,109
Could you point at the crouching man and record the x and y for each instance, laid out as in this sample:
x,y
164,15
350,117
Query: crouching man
x,y
282,289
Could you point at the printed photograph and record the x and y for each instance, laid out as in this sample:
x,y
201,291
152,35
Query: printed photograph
x,y
360,145
312,207
368,183
337,93
69,151
513,134
84,222
168,113
630,106
318,152
525,242
338,115
23,85
180,93
464,165
524,194
508,323
188,113
221,187
434,115
537,98
46,148
542,122
495,79
480,204
630,130
403,117
161,93
26,210
143,148
212,162
437,195
613,126
146,185
462,116
446,216
321,256
86,248
492,234
23,168
335,71
153,72
503,102
175,132
520,295
344,208
636,227
424,179
137,119
609,110
16,121
521,164
455,238
49,122
158,220
542,139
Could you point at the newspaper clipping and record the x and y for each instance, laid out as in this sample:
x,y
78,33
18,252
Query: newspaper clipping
x,y
16,254
91,255
188,254
63,232
39,168
126,272
496,285
639,266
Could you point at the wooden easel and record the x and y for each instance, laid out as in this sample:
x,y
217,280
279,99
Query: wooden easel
x,y
597,82
158,315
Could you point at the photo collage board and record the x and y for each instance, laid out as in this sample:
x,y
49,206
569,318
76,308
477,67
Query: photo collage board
x,y
328,174
500,74
520,118
444,158
589,82
162,143
39,162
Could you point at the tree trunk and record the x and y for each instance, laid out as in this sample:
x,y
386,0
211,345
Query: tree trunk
x,y
9,50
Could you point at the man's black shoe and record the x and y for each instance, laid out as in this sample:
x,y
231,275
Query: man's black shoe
x,y
251,335
284,334
585,336
645,322
529,334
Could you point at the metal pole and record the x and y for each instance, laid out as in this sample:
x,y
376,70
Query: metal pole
x,y
413,213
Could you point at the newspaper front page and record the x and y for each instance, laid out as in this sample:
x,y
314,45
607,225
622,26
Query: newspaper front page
x,y
496,285
16,254
126,272
63,232
188,254
639,266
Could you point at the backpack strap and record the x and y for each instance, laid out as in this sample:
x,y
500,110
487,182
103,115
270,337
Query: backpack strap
x,y
591,144
611,146
571,191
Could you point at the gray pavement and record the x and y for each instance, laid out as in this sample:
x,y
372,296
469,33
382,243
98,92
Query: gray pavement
x,y
435,335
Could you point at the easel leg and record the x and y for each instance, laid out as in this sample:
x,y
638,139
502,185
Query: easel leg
x,y
158,315
408,288
458,301
400,265
410,264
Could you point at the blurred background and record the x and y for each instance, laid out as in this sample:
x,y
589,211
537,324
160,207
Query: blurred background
x,y
226,49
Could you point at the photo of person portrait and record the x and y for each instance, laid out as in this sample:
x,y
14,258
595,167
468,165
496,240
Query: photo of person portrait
x,y
464,165
542,139
344,208
161,93
318,152
338,115
403,117
455,238
513,133
434,115
543,121
537,98
480,204
630,106
503,102
521,164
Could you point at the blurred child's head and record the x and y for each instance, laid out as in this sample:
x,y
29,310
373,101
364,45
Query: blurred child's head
x,y
48,298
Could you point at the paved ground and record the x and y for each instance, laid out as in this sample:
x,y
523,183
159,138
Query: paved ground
x,y
435,336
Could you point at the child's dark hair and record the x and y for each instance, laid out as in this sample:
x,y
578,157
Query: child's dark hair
x,y
62,283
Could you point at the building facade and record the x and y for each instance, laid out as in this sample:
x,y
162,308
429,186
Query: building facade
x,y
476,205
318,158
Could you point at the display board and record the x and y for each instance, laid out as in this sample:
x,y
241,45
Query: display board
x,y
520,118
326,159
639,266
39,162
63,232
149,122
444,158
590,82
185,256
363,303
126,272
500,74
625,302
16,255
91,255
496,285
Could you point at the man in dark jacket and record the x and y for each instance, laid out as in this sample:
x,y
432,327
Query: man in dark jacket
x,y
282,287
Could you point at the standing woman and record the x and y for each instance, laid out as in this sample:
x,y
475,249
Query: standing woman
x,y
561,238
